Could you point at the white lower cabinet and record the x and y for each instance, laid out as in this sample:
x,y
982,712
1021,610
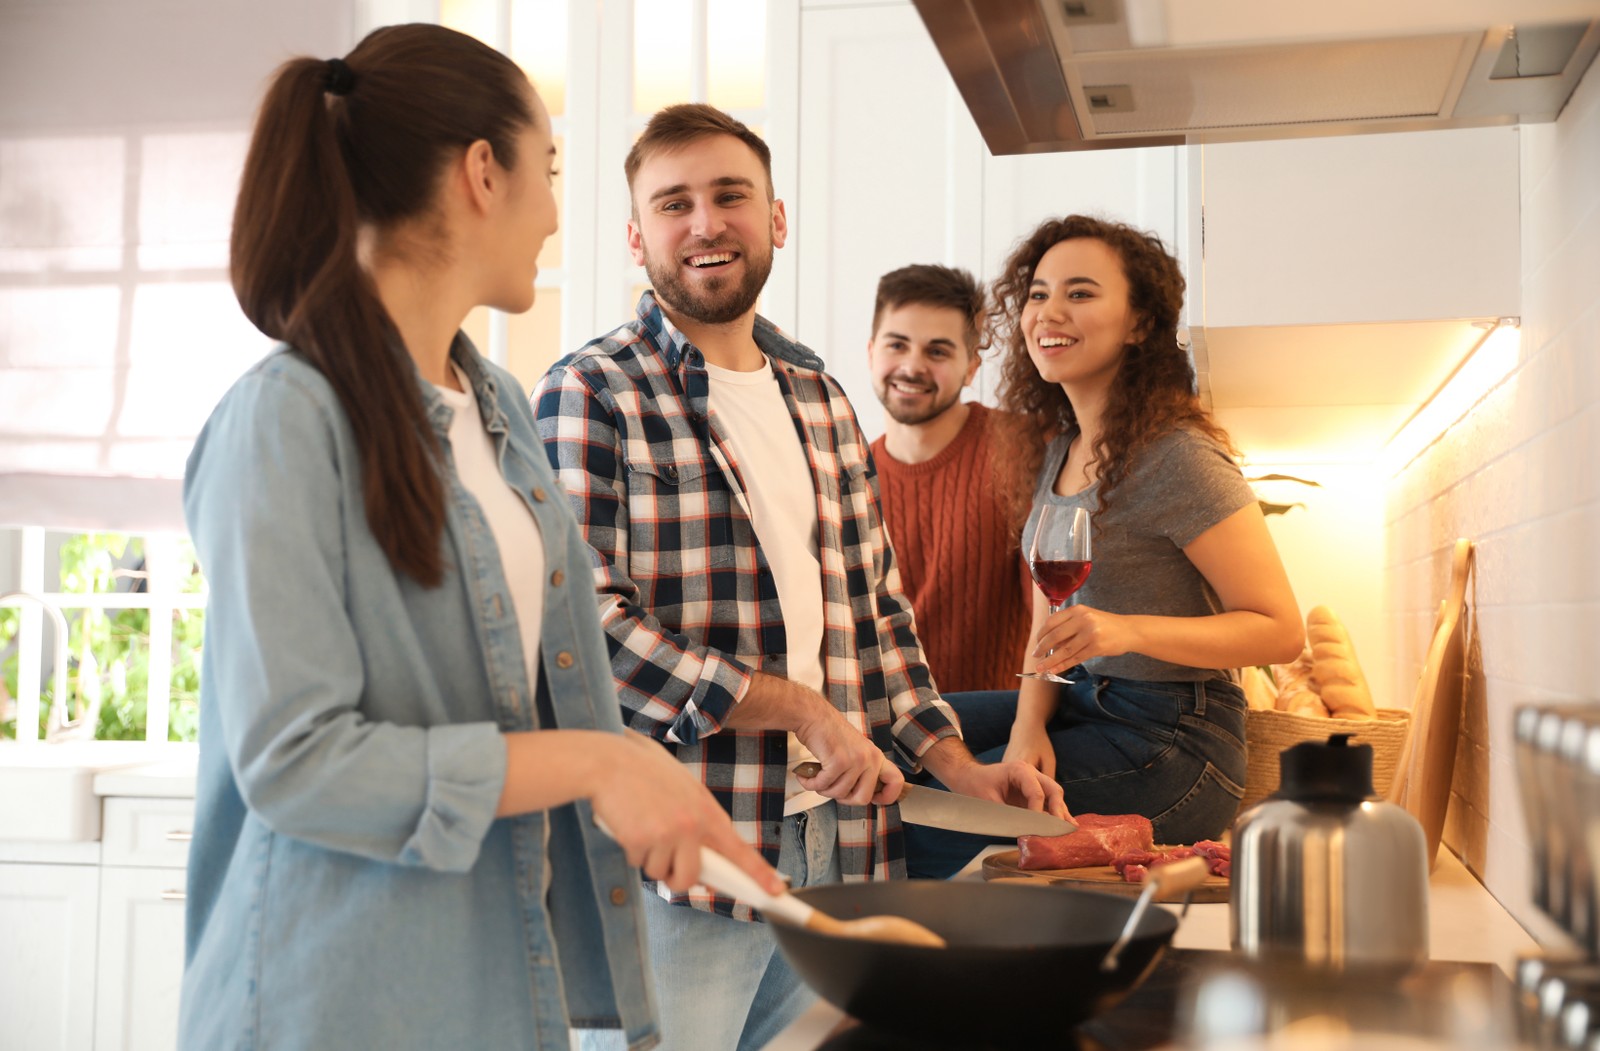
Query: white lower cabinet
x,y
140,959
144,851
47,956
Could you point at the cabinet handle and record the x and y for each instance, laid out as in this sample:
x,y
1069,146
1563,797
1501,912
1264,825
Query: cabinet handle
x,y
173,895
179,835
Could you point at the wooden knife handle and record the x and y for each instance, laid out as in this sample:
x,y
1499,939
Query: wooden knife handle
x,y
812,769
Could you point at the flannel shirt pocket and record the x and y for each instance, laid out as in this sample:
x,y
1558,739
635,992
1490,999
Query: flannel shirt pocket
x,y
856,500
678,519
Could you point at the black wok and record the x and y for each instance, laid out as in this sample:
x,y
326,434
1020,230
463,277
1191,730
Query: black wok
x,y
1022,965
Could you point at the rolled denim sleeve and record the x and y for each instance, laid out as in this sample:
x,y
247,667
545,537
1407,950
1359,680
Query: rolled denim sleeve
x,y
271,494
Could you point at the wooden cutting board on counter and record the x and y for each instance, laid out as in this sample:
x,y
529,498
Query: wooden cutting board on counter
x,y
1103,878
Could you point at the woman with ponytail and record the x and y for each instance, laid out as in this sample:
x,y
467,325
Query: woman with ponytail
x,y
1185,583
408,725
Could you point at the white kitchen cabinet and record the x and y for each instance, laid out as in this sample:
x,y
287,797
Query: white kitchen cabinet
x,y
47,955
1368,228
143,856
140,959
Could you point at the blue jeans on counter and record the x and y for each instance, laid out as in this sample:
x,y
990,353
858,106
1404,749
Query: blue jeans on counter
x,y
1172,751
722,984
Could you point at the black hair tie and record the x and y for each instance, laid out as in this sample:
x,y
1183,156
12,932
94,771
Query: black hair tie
x,y
340,79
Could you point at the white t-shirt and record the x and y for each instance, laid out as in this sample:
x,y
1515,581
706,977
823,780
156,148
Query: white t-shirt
x,y
516,532
783,502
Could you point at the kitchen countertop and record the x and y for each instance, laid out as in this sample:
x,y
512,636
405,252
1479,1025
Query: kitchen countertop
x,y
171,777
1465,923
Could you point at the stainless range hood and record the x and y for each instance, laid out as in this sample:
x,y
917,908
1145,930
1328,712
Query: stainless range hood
x,y
1050,75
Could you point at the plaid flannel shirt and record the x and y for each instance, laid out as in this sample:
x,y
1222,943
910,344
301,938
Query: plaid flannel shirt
x,y
686,597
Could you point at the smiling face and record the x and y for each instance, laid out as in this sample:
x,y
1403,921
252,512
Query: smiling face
x,y
1077,319
705,227
920,358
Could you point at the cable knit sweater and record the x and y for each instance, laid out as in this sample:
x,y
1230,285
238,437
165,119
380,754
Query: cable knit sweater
x,y
967,584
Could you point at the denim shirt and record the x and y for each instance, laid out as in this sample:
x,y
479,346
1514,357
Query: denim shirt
x,y
349,884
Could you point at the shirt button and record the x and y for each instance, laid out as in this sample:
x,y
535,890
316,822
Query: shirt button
x,y
557,579
672,472
538,496
619,896
563,659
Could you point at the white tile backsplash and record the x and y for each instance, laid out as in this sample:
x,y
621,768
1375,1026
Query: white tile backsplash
x,y
1520,475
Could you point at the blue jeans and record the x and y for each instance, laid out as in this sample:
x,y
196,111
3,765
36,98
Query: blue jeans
x,y
1172,751
721,984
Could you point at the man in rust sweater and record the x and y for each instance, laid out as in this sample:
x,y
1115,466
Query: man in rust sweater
x,y
959,565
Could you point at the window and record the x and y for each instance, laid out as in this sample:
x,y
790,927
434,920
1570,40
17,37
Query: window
x,y
118,329
134,609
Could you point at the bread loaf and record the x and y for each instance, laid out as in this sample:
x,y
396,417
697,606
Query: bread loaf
x,y
1260,689
1335,674
1296,693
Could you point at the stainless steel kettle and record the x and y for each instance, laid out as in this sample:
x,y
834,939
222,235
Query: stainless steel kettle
x,y
1326,875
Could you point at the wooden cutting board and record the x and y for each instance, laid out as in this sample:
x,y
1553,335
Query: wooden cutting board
x,y
1103,878
1422,784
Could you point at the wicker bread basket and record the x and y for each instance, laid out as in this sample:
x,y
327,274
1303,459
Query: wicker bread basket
x,y
1268,732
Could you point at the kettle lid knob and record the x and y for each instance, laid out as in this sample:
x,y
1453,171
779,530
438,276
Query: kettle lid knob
x,y
1334,771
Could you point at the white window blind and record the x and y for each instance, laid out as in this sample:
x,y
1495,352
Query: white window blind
x,y
122,133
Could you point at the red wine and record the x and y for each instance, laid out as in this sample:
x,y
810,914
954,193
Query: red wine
x,y
1059,578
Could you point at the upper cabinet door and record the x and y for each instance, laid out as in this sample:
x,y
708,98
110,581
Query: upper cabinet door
x,y
1369,228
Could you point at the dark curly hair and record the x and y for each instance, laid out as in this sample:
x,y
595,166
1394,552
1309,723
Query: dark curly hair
x,y
1152,393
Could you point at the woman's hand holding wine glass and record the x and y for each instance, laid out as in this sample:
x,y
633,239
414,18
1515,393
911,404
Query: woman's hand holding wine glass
x,y
1059,560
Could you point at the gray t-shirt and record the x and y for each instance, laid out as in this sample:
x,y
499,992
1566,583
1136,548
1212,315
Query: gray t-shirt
x,y
1180,486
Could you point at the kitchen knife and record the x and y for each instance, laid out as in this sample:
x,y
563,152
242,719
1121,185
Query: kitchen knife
x,y
958,813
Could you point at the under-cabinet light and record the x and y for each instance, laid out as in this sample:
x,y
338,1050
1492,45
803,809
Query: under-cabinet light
x,y
1489,362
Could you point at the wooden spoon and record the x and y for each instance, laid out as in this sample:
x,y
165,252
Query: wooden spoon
x,y
722,875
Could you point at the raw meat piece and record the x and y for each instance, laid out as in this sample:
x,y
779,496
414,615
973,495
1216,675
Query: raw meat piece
x,y
1136,865
1138,821
1135,857
1100,839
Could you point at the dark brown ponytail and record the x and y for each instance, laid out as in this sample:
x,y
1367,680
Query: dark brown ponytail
x,y
321,165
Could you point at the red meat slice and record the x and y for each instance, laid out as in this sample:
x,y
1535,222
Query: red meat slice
x,y
1136,865
1142,858
1100,839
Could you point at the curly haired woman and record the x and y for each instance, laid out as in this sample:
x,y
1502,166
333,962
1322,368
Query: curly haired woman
x,y
1186,583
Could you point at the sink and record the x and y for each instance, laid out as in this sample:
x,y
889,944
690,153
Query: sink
x,y
47,790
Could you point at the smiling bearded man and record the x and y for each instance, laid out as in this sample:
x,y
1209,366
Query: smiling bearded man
x,y
719,300
750,595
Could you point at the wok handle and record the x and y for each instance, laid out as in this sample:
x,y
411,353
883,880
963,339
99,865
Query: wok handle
x,y
1176,878
724,877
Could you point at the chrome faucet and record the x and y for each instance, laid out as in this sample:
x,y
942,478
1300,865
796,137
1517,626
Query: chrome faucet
x,y
60,725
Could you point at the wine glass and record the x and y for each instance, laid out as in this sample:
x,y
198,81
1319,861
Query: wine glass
x,y
1059,561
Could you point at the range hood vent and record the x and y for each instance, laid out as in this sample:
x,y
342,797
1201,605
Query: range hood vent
x,y
1049,75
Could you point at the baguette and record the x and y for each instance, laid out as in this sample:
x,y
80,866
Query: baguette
x,y
1260,689
1296,691
1335,673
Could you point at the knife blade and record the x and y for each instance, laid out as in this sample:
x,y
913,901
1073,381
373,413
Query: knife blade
x,y
920,805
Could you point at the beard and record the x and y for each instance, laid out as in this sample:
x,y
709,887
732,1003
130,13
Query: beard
x,y
912,416
717,301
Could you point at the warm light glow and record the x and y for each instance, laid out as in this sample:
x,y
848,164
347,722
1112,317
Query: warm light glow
x,y
662,42
533,339
1490,363
477,18
539,46
736,46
